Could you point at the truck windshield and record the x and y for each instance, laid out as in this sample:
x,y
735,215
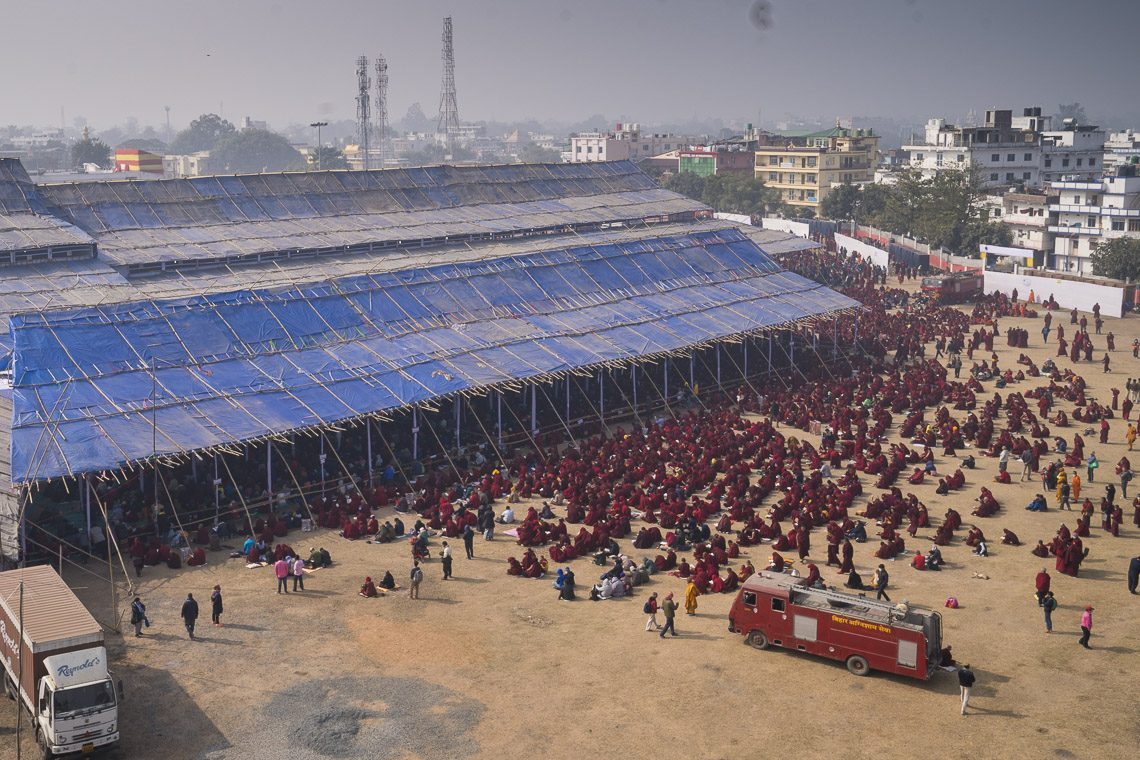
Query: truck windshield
x,y
86,697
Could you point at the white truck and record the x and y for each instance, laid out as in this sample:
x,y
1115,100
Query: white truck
x,y
70,697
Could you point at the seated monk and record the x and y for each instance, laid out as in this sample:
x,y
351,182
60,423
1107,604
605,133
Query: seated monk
x,y
368,590
917,476
813,578
388,582
197,558
1041,550
777,563
1002,477
513,567
1009,537
919,561
684,570
731,581
746,571
974,536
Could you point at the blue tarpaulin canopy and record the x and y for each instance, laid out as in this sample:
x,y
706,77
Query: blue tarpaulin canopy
x,y
246,364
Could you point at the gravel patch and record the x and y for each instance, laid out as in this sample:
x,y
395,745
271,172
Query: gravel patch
x,y
365,717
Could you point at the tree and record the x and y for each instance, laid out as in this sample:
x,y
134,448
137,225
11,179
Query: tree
x,y
529,153
688,184
255,150
1118,258
841,202
415,120
152,144
91,151
1074,111
330,158
204,133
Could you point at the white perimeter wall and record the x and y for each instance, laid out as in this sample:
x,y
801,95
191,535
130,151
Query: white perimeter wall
x,y
1067,293
865,251
785,225
738,218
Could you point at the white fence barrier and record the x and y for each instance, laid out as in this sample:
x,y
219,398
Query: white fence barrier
x,y
738,218
876,256
785,225
1067,293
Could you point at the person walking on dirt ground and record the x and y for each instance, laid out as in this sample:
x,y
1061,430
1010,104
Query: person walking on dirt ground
x,y
1086,626
190,614
298,573
669,609
1049,603
650,609
965,684
138,616
1133,574
691,594
881,579
416,577
1042,583
445,558
469,541
216,606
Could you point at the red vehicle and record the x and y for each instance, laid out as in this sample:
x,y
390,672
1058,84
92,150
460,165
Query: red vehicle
x,y
958,287
774,609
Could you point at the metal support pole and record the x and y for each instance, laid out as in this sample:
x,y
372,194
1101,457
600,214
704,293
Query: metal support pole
x,y
834,338
87,506
791,349
602,395
692,372
665,381
499,415
769,353
856,328
534,409
718,383
269,472
217,493
567,400
368,444
746,357
458,421
323,457
633,382
415,433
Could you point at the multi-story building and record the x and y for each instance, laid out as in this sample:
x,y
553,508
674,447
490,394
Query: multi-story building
x,y
1075,152
1120,148
1028,217
715,159
1088,212
806,166
134,160
189,165
626,143
1001,152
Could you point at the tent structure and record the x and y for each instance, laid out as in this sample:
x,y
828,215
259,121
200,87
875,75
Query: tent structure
x,y
152,320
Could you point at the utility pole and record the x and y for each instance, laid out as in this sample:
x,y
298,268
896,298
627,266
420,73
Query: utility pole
x,y
168,135
448,123
318,125
363,108
154,433
20,672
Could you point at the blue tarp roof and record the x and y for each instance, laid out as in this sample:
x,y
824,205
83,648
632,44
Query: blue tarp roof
x,y
242,365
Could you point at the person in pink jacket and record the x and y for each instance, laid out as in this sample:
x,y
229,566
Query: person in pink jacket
x,y
1086,626
281,568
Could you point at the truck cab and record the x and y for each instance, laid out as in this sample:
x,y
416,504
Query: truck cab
x,y
77,709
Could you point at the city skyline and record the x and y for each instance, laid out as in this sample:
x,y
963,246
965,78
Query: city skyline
x,y
653,61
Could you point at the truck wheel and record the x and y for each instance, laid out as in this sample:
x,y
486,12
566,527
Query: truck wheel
x,y
758,639
858,665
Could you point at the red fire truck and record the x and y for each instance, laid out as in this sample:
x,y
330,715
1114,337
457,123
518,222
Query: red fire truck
x,y
775,609
958,287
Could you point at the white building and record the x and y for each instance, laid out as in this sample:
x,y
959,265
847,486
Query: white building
x,y
1075,152
1009,151
1121,148
1001,153
189,165
627,142
1028,217
1091,211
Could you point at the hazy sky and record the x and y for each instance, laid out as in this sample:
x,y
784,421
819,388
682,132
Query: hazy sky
x,y
646,60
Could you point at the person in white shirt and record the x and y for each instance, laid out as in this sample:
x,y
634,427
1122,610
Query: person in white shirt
x,y
507,517
298,573
445,555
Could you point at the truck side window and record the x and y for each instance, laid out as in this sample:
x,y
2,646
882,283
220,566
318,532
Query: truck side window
x,y
749,599
778,605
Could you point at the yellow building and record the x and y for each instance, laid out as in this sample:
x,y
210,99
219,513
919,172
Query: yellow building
x,y
806,166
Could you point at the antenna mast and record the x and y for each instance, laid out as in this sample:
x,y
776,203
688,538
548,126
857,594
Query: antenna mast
x,y
363,107
382,128
448,123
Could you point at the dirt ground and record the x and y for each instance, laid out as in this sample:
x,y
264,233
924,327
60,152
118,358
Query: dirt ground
x,y
489,665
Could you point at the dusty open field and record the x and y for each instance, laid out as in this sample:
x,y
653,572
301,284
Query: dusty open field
x,y
493,666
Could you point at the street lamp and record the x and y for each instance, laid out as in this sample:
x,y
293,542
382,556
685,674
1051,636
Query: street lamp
x,y
318,125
